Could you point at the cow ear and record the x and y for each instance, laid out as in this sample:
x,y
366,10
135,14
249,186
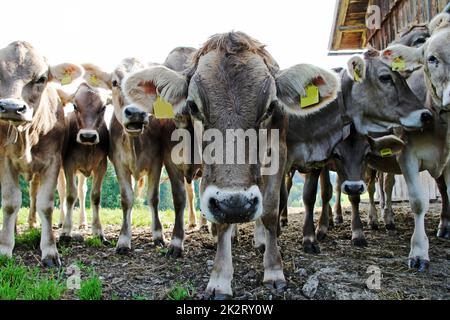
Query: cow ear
x,y
442,20
97,77
145,86
402,58
386,146
65,97
304,89
66,73
356,68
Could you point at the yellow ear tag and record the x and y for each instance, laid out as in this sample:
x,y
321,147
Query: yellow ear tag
x,y
93,80
67,79
311,98
398,64
386,152
163,109
357,75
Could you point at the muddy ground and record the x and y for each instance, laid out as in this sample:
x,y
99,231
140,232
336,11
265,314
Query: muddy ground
x,y
338,272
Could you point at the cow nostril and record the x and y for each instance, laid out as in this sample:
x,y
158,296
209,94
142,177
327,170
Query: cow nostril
x,y
426,117
128,113
214,203
22,109
361,189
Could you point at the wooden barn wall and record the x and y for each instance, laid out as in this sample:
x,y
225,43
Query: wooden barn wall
x,y
398,16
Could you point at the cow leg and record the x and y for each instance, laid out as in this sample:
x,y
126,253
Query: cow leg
x,y
444,225
153,200
82,190
71,198
259,236
387,212
179,203
190,196
418,256
338,218
99,174
34,185
127,197
326,190
373,215
284,199
219,285
61,186
310,244
283,220
45,206
358,238
11,202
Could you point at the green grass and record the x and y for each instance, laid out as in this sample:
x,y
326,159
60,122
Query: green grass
x,y
30,238
18,282
141,217
181,291
90,289
94,242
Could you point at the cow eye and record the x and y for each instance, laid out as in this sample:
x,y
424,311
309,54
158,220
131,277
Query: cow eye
x,y
103,109
115,84
75,108
193,108
41,80
419,42
433,60
385,78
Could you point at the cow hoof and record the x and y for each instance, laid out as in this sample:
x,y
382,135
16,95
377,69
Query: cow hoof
x,y
373,226
82,227
390,226
60,226
420,264
159,243
104,240
338,220
311,248
444,233
359,242
65,239
123,250
279,285
321,235
174,252
51,262
284,223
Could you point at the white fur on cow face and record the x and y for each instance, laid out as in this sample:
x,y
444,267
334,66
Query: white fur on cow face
x,y
213,193
413,120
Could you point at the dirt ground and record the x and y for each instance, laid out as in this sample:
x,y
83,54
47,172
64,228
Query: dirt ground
x,y
338,272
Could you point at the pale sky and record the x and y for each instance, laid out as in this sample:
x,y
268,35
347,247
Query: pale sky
x,y
105,32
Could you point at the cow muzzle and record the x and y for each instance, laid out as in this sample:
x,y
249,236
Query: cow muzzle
x,y
229,207
353,188
134,120
417,120
88,137
15,111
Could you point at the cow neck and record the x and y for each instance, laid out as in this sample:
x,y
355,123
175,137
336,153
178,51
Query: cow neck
x,y
19,142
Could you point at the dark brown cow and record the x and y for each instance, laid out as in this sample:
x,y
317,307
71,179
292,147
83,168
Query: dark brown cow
x,y
234,84
87,152
33,131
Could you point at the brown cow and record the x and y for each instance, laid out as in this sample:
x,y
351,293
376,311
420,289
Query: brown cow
x,y
140,145
87,151
235,86
33,131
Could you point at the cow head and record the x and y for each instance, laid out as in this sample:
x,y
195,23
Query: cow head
x,y
380,97
434,55
350,158
89,106
24,77
134,118
234,84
